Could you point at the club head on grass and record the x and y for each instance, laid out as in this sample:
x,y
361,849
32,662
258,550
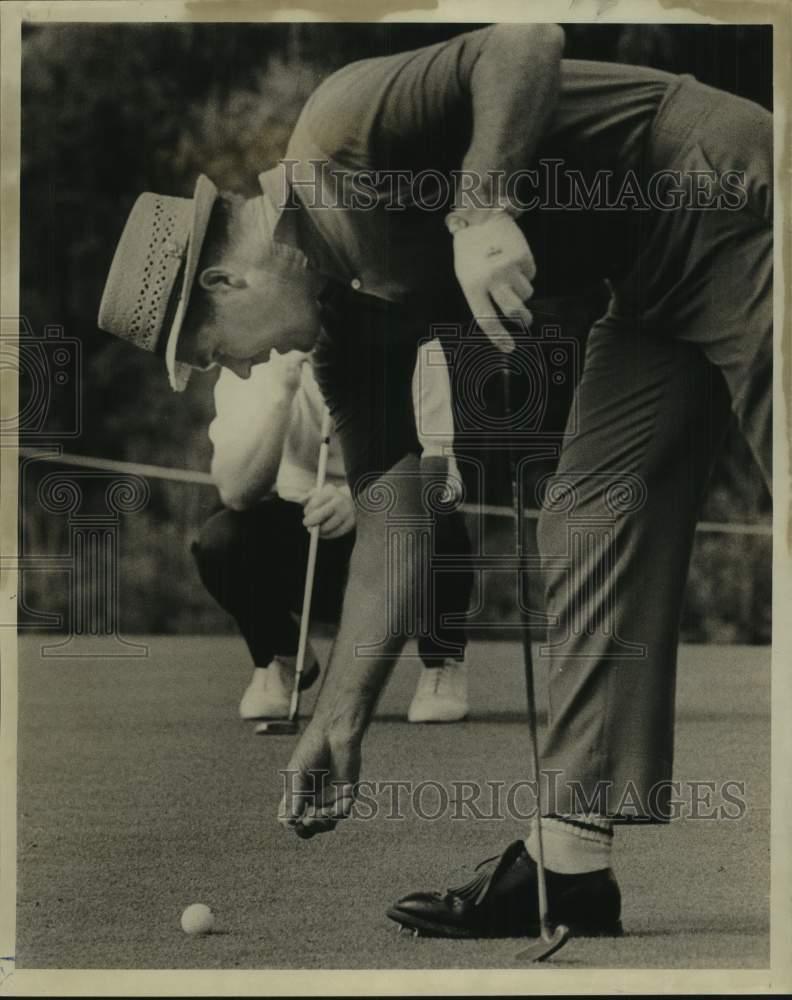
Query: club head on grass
x,y
276,727
544,946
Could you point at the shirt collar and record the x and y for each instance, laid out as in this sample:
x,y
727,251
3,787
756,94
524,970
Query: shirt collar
x,y
290,228
275,186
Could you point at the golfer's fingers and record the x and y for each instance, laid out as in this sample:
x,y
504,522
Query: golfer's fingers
x,y
318,515
522,256
296,798
345,526
331,524
316,497
510,305
479,301
497,333
322,818
527,264
520,285
484,314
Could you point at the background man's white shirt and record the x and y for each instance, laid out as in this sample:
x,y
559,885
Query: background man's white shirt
x,y
237,402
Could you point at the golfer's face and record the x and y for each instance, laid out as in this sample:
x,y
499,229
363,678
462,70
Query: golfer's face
x,y
270,311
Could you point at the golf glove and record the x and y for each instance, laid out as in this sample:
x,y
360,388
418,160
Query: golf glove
x,y
494,266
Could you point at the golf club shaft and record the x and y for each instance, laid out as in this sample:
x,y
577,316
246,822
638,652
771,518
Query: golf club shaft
x,y
310,570
525,634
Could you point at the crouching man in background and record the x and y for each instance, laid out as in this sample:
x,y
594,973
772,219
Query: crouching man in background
x,y
252,554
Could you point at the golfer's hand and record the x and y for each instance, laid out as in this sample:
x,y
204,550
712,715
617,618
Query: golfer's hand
x,y
495,267
287,370
319,781
330,508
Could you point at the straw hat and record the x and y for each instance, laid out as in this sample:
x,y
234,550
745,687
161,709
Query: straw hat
x,y
153,270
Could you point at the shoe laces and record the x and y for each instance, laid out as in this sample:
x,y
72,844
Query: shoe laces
x,y
475,885
430,681
443,675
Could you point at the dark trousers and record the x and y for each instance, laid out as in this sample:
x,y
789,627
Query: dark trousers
x,y
687,339
253,563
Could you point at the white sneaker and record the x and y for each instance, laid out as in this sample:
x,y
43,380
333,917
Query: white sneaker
x,y
269,693
441,694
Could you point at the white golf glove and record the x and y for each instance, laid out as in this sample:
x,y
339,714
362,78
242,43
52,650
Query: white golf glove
x,y
494,266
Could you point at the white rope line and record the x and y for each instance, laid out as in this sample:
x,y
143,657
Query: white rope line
x,y
762,528
111,465
712,527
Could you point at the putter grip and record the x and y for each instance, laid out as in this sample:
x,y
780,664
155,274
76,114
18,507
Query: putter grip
x,y
506,390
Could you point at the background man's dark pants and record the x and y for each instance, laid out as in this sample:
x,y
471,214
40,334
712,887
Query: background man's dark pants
x,y
253,563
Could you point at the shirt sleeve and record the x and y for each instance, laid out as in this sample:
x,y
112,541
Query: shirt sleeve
x,y
434,415
405,111
237,404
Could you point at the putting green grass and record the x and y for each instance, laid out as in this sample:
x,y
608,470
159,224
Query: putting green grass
x,y
140,791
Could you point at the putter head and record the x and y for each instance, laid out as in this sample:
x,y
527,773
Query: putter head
x,y
276,727
544,946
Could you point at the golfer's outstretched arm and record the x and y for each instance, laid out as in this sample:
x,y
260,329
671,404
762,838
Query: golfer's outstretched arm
x,y
321,776
383,577
513,87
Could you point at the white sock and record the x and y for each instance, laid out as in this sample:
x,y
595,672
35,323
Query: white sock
x,y
573,844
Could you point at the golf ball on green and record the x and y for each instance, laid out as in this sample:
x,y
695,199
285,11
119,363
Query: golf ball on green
x,y
197,919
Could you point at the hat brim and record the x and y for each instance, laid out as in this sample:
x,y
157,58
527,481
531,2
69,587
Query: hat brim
x,y
204,198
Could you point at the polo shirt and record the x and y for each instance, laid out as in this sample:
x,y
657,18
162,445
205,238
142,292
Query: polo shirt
x,y
376,125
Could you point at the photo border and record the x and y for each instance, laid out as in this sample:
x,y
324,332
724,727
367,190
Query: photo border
x,y
530,980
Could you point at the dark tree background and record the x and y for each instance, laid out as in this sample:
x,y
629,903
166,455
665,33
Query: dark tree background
x,y
112,110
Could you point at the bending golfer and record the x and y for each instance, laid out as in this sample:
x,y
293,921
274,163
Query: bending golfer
x,y
252,554
686,341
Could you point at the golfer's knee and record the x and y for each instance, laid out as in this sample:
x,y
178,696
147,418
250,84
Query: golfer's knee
x,y
552,542
551,532
216,543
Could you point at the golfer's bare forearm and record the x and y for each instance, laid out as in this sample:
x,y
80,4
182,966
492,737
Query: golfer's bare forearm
x,y
514,88
378,592
354,683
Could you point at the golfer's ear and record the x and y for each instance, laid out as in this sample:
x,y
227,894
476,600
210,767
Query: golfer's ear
x,y
220,279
